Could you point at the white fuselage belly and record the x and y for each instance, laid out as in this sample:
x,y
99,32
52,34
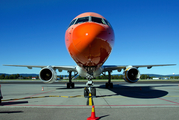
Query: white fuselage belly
x,y
84,73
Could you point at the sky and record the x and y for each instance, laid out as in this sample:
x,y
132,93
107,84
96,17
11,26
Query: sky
x,y
32,32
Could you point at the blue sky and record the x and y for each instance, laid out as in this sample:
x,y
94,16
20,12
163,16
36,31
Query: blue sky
x,y
146,32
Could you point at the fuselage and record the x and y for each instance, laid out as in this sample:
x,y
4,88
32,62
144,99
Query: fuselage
x,y
89,40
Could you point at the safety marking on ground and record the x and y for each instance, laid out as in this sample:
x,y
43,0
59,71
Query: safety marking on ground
x,y
44,97
125,105
168,100
90,100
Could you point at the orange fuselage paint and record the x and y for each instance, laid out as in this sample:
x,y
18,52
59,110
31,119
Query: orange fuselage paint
x,y
89,43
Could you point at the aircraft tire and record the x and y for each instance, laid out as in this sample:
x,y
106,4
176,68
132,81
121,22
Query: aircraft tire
x,y
93,92
111,85
86,93
107,85
68,85
72,85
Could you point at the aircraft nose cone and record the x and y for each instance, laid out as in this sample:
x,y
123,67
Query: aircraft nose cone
x,y
85,34
90,44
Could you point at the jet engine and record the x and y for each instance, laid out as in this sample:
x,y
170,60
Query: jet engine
x,y
48,74
131,74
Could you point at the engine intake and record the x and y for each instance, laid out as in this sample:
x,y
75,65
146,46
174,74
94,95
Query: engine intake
x,y
131,75
48,74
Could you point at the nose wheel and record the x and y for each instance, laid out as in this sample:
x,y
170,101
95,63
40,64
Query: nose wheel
x,y
86,92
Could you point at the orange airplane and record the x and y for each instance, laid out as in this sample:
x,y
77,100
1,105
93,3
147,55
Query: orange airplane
x,y
89,40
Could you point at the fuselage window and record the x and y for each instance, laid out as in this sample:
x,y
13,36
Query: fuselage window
x,y
97,20
82,20
72,22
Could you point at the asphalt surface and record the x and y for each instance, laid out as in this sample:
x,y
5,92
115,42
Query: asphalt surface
x,y
84,82
145,113
143,100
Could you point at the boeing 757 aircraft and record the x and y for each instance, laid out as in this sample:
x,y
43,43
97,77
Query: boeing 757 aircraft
x,y
89,40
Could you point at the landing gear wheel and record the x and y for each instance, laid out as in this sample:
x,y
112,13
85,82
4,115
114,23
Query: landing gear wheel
x,y
93,92
68,85
72,85
86,92
109,85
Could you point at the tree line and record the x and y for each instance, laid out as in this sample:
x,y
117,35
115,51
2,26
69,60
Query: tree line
x,y
143,76
16,76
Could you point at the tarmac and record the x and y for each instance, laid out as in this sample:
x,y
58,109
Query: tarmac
x,y
142,100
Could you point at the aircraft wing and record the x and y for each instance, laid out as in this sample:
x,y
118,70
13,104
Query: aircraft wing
x,y
60,68
119,68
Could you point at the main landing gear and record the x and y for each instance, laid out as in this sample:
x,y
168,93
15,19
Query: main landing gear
x,y
70,84
109,84
89,89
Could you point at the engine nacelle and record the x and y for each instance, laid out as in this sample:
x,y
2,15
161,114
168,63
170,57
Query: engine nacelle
x,y
131,74
48,74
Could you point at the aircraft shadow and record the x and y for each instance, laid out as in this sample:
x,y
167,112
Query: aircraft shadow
x,y
143,92
59,87
69,88
11,112
13,103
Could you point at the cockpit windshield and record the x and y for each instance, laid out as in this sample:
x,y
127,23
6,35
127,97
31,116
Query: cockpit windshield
x,y
82,20
97,20
90,18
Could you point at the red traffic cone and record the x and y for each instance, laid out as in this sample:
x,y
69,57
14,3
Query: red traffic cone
x,y
42,88
93,116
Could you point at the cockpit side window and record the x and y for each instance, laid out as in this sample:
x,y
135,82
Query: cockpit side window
x,y
72,22
107,23
97,20
82,19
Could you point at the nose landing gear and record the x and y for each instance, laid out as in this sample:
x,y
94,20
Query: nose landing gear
x,y
89,90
